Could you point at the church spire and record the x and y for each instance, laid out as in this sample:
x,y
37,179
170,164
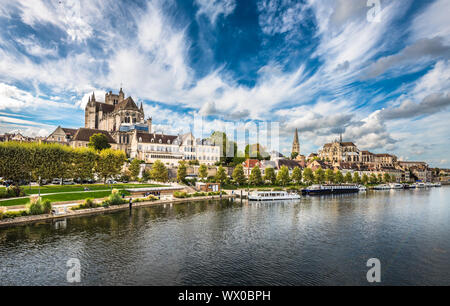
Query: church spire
x,y
296,143
142,107
93,97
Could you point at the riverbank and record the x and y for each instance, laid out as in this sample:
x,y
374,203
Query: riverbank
x,y
99,210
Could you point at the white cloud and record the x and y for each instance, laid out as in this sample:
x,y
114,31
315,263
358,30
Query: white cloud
x,y
432,22
214,8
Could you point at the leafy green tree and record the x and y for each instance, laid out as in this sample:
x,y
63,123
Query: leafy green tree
x,y
356,178
365,179
294,155
83,163
99,142
283,176
238,175
221,175
146,175
348,177
109,163
329,176
386,178
255,176
159,172
373,179
181,172
393,178
308,175
338,177
380,177
297,175
135,168
203,171
270,175
319,175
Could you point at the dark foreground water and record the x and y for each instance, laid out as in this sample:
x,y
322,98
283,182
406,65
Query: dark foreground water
x,y
315,241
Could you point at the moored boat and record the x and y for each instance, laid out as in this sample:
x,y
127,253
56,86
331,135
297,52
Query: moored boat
x,y
330,189
362,188
396,186
272,196
382,187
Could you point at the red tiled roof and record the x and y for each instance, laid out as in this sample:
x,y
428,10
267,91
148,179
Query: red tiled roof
x,y
251,163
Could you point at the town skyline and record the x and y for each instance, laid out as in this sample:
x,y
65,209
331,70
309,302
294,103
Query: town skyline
x,y
320,67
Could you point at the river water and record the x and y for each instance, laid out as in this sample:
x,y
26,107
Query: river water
x,y
313,241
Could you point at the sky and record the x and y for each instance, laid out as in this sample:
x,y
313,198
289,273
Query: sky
x,y
376,71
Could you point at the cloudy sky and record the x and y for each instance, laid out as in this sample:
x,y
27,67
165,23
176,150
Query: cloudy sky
x,y
378,75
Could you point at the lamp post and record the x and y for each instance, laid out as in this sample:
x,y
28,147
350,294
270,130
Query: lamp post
x,y
39,186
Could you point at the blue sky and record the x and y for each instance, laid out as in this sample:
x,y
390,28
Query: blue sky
x,y
323,67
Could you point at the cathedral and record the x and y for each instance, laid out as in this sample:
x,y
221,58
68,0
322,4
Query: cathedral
x,y
124,125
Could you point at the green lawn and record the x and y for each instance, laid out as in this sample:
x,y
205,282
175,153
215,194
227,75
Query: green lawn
x,y
63,197
74,188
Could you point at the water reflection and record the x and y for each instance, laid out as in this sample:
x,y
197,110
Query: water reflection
x,y
315,240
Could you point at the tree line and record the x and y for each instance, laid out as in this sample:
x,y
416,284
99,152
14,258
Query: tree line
x,y
34,161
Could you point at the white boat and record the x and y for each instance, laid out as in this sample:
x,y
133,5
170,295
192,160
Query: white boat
x,y
272,196
382,187
419,185
429,185
437,184
362,188
396,186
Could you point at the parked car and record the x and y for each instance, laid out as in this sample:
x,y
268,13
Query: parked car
x,y
56,181
110,181
68,182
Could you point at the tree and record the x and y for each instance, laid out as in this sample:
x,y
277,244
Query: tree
x,y
356,178
99,142
181,172
238,175
373,178
255,176
109,163
283,176
365,179
319,175
146,175
348,177
338,177
380,178
386,178
159,172
135,168
203,171
83,163
270,175
393,178
221,175
294,155
329,176
308,175
297,175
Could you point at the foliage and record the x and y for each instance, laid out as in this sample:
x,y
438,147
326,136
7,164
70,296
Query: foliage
x,y
348,177
83,163
283,176
339,177
294,155
356,178
115,199
329,176
13,214
12,192
238,175
297,175
221,175
319,175
159,172
308,175
365,179
37,206
203,171
373,178
109,163
270,175
194,162
386,178
181,172
255,176
99,142
134,168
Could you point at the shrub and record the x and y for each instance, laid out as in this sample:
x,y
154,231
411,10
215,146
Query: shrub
x,y
46,206
115,199
34,207
14,214
12,192
89,203
180,194
105,203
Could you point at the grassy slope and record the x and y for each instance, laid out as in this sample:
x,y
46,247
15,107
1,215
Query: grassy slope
x,y
74,188
63,197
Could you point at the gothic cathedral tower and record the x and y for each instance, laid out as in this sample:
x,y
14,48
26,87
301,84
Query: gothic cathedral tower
x,y
296,143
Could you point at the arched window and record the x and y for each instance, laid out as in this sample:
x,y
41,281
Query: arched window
x,y
140,139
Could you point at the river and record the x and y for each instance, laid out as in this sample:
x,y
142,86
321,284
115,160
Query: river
x,y
314,241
